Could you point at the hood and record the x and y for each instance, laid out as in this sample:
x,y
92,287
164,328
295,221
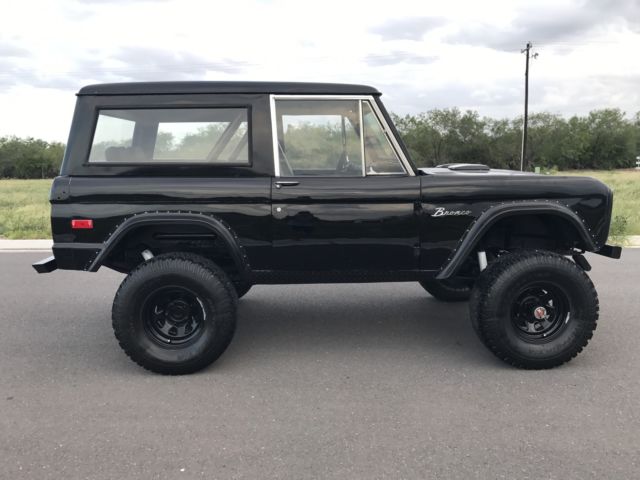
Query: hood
x,y
472,168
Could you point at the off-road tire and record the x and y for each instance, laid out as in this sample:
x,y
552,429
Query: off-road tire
x,y
452,290
497,308
213,313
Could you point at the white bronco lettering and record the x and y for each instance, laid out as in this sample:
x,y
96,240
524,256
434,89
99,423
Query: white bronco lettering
x,y
443,212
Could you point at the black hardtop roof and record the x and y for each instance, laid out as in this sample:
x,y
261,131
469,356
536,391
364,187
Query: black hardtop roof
x,y
284,88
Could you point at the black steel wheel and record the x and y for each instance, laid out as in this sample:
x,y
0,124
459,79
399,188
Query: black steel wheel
x,y
175,314
450,290
534,309
540,311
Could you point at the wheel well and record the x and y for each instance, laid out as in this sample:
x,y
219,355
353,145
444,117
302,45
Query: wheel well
x,y
539,231
172,237
534,231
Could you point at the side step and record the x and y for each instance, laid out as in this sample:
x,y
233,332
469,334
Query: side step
x,y
46,265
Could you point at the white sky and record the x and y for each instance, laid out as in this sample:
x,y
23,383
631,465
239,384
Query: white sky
x,y
420,54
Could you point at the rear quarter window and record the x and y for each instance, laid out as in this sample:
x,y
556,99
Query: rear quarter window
x,y
171,135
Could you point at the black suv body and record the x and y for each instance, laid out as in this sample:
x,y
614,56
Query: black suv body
x,y
199,190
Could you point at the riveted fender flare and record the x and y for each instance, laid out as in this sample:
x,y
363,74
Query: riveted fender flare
x,y
217,226
488,218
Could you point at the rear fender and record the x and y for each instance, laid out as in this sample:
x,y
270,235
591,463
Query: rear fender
x,y
217,226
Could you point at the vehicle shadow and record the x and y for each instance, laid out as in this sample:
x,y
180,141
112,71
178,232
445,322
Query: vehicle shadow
x,y
287,326
278,322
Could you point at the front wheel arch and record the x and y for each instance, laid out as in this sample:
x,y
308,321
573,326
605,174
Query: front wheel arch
x,y
483,225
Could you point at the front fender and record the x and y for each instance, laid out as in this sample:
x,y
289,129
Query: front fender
x,y
490,216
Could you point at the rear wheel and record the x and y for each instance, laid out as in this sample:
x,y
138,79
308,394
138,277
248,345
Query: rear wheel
x,y
534,309
450,290
175,314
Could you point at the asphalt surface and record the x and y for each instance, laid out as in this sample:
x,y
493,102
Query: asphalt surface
x,y
325,381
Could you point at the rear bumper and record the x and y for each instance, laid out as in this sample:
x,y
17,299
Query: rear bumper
x,y
46,265
610,251
70,256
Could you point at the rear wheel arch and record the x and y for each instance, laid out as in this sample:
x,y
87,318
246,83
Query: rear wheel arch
x,y
199,231
555,221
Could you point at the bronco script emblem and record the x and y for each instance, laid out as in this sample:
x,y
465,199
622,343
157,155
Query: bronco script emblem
x,y
443,212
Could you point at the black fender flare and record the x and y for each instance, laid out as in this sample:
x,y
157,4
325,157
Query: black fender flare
x,y
217,226
488,218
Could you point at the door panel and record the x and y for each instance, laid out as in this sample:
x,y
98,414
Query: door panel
x,y
358,223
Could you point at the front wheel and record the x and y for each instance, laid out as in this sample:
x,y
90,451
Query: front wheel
x,y
175,314
534,310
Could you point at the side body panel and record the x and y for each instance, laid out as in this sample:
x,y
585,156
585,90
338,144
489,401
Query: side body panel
x,y
243,203
350,223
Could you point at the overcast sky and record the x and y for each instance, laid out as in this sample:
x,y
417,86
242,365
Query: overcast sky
x,y
420,54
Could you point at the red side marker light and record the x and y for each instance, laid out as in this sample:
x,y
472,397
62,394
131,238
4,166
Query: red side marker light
x,y
81,224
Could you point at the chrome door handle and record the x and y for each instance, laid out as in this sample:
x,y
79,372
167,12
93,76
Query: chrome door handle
x,y
286,183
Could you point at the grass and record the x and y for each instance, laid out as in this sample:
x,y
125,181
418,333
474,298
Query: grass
x,y
25,209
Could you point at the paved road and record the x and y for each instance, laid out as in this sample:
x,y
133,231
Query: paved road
x,y
351,381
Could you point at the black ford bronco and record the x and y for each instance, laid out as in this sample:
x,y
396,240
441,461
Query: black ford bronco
x,y
199,190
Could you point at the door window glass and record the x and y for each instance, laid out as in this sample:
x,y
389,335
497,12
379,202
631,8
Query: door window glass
x,y
319,137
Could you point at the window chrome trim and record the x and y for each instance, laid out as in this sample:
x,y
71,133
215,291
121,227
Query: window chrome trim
x,y
385,130
374,107
361,121
274,135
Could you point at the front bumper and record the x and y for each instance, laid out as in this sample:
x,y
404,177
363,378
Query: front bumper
x,y
46,265
610,251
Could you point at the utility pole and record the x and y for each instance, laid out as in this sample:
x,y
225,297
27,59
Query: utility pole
x,y
525,122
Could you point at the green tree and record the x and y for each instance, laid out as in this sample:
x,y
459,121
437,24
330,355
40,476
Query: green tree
x,y
604,139
29,158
